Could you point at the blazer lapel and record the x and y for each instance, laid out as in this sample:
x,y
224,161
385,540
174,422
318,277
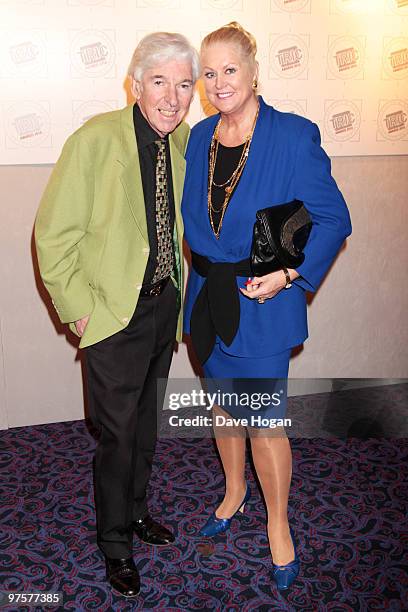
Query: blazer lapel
x,y
178,170
131,177
130,171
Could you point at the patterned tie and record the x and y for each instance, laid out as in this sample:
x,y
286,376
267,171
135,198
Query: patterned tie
x,y
165,258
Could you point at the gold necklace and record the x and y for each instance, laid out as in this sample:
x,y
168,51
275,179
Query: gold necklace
x,y
240,163
234,178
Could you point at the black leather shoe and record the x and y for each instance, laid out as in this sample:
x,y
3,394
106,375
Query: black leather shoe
x,y
151,532
123,576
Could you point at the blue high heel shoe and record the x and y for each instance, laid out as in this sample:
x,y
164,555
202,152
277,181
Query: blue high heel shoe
x,y
215,525
284,575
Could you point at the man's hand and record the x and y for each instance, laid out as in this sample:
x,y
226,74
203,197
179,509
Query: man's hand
x,y
81,324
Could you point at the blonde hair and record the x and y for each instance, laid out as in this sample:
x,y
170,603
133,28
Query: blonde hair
x,y
233,33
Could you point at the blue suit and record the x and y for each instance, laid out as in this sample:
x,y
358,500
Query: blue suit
x,y
285,162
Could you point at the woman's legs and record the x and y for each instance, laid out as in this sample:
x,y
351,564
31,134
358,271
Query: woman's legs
x,y
271,450
231,446
272,458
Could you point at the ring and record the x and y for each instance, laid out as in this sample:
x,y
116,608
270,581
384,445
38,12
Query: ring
x,y
261,300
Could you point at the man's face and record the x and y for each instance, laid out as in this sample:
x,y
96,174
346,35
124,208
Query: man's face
x,y
164,94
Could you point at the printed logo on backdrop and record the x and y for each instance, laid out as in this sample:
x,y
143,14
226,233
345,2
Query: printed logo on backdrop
x,y
358,7
91,2
342,120
345,57
392,120
158,4
291,6
296,107
27,125
92,53
222,4
83,111
27,2
342,6
395,58
24,54
288,56
398,7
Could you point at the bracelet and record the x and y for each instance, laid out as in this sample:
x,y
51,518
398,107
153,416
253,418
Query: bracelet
x,y
287,276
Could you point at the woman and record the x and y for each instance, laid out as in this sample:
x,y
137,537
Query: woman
x,y
248,157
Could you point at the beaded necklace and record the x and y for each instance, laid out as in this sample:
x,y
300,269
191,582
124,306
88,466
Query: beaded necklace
x,y
230,183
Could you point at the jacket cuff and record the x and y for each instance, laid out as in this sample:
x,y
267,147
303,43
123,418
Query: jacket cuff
x,y
302,282
81,308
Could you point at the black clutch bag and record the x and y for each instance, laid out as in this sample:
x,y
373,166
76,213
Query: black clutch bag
x,y
279,237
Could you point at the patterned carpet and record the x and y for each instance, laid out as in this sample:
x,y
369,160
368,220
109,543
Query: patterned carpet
x,y
348,509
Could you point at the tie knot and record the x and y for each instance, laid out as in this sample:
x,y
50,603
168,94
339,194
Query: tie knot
x,y
161,144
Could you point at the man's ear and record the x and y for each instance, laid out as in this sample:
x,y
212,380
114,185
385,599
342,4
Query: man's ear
x,y
136,87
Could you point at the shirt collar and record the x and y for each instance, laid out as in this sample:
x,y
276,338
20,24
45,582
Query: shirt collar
x,y
146,135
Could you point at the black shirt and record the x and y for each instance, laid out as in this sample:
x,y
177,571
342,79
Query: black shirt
x,y
147,149
227,161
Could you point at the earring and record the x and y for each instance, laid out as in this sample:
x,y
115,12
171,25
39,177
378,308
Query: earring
x,y
255,83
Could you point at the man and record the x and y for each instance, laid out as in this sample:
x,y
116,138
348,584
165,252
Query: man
x,y
109,242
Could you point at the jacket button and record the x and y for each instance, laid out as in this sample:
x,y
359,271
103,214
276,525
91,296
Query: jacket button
x,y
125,320
138,287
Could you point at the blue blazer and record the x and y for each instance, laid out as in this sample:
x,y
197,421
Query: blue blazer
x,y
285,162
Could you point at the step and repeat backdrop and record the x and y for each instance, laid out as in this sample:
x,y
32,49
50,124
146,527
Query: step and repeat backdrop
x,y
342,63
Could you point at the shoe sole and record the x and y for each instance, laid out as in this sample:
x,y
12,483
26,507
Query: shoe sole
x,y
122,595
159,545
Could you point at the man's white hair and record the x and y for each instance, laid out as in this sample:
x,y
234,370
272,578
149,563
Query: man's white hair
x,y
160,47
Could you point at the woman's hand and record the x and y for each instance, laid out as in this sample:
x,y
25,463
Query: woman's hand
x,y
266,287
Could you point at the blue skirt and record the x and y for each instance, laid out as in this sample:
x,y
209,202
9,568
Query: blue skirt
x,y
251,389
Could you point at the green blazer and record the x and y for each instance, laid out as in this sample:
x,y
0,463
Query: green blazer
x,y
91,230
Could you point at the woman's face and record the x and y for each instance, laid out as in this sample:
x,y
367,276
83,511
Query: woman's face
x,y
227,77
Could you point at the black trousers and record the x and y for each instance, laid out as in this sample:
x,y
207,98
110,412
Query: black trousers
x,y
122,373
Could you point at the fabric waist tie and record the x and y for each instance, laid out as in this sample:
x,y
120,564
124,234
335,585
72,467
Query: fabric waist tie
x,y
216,310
